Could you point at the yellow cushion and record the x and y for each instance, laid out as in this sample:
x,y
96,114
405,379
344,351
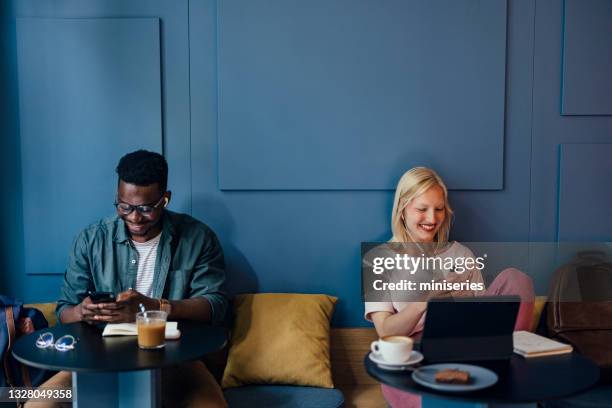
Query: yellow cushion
x,y
538,306
48,309
280,338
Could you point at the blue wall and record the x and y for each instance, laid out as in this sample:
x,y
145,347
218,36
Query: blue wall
x,y
286,125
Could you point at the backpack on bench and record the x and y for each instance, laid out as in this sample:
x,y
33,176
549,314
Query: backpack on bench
x,y
16,320
580,307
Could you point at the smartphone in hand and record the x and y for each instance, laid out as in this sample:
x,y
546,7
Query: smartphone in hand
x,y
101,297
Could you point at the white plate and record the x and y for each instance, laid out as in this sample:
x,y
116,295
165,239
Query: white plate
x,y
480,377
415,357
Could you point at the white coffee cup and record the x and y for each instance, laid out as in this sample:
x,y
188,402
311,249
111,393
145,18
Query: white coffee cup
x,y
394,349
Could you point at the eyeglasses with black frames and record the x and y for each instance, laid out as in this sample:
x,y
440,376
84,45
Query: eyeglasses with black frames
x,y
146,210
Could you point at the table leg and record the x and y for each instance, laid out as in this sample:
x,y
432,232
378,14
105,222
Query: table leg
x,y
137,389
94,390
140,389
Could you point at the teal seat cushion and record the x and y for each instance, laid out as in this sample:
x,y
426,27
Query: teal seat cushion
x,y
281,396
598,397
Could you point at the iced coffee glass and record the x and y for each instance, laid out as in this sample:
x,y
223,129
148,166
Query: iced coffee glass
x,y
151,327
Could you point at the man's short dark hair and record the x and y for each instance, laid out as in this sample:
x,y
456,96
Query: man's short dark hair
x,y
144,168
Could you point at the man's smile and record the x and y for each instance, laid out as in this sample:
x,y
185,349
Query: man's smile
x,y
137,227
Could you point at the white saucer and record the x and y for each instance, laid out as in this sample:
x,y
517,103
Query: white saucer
x,y
415,357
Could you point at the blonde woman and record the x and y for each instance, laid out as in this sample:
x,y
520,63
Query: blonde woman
x,y
422,215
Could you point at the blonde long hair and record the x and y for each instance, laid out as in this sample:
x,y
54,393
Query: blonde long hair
x,y
413,183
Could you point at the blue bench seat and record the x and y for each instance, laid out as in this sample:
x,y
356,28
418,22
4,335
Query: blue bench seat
x,y
283,396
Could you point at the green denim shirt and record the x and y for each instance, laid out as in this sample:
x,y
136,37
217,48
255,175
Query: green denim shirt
x,y
189,263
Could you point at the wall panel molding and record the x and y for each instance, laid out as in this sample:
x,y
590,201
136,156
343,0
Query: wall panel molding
x,y
587,58
584,192
374,85
89,91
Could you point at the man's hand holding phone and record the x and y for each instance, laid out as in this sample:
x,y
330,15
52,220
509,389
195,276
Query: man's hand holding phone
x,y
97,305
121,310
87,310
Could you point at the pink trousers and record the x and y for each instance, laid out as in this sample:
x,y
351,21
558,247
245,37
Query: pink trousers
x,y
510,281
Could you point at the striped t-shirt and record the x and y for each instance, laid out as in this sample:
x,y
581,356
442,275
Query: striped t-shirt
x,y
147,255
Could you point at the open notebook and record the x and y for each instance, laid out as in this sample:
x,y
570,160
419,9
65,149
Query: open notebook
x,y
129,329
531,345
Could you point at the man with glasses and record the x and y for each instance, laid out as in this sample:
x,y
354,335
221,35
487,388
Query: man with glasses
x,y
148,255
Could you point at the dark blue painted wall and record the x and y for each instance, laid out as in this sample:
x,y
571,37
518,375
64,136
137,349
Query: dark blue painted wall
x,y
362,85
551,129
104,99
300,230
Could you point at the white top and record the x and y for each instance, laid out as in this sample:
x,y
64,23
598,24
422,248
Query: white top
x,y
456,250
147,255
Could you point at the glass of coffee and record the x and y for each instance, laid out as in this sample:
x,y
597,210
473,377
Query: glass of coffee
x,y
151,326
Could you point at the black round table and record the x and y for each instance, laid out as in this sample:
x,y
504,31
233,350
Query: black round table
x,y
113,371
521,380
